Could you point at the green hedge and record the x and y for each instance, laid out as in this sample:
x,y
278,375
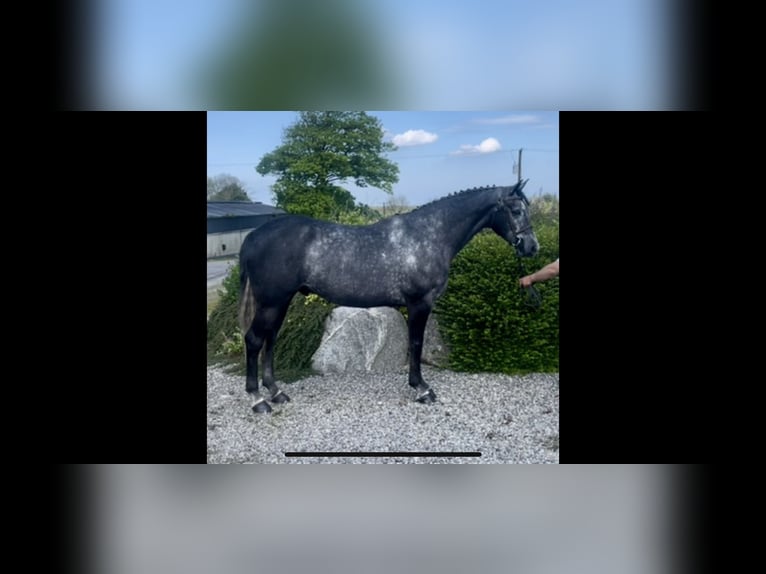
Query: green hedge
x,y
224,339
301,333
484,315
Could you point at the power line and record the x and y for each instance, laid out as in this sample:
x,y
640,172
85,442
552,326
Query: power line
x,y
422,156
512,150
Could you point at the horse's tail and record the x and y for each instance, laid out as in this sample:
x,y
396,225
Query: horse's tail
x,y
246,301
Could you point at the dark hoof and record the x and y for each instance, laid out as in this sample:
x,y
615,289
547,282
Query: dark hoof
x,y
280,398
262,407
428,398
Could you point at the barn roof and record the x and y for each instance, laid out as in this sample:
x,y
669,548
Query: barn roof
x,y
239,209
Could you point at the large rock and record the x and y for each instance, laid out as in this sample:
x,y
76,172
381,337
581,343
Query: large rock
x,y
362,340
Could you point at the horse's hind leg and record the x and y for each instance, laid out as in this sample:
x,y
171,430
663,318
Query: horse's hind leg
x,y
277,395
254,339
266,324
418,316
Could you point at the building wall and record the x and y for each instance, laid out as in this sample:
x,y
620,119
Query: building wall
x,y
226,234
228,243
223,224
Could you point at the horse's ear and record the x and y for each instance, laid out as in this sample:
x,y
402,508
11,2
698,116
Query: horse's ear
x,y
521,193
516,190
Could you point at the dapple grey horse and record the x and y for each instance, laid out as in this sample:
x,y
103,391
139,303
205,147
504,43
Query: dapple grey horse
x,y
402,260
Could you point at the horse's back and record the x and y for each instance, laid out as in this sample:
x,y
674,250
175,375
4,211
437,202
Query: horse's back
x,y
274,226
273,235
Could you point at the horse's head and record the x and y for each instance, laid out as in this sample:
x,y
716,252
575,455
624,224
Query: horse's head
x,y
510,220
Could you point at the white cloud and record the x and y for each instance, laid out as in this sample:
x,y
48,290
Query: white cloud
x,y
489,145
414,137
512,119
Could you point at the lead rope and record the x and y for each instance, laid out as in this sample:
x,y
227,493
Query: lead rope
x,y
533,298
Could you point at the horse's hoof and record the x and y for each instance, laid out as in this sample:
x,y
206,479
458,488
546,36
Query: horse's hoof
x,y
262,407
281,397
427,398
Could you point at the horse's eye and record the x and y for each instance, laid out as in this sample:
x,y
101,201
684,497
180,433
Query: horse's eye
x,y
515,212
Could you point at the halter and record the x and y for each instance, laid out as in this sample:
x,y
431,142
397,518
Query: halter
x,y
500,205
533,298
516,238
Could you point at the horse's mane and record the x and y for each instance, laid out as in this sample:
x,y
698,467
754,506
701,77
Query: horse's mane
x,y
454,194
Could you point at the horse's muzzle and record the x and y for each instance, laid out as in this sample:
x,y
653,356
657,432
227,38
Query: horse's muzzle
x,y
526,248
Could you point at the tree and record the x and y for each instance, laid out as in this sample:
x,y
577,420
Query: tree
x,y
225,187
321,150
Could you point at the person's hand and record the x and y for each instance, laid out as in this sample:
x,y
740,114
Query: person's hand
x,y
526,281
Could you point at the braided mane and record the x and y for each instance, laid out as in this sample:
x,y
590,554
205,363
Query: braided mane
x,y
455,194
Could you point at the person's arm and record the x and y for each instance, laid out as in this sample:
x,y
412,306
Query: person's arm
x,y
548,272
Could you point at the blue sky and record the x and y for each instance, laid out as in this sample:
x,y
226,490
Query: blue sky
x,y
438,153
444,54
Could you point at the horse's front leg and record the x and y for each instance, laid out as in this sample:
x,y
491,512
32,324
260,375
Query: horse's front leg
x,y
418,316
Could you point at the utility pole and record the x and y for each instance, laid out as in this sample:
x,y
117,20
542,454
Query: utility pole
x,y
519,170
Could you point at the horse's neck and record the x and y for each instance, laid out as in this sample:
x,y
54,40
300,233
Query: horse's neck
x,y
463,217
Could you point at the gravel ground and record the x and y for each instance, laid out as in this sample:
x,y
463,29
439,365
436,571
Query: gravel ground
x,y
508,419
